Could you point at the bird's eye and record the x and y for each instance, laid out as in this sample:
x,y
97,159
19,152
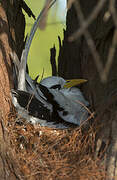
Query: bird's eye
x,y
65,113
57,86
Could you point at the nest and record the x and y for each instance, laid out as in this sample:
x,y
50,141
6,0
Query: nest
x,y
50,154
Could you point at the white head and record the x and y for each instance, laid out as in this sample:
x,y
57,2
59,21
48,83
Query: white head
x,y
53,81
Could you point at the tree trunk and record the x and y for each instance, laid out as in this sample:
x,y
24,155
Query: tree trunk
x,y
77,61
12,25
30,153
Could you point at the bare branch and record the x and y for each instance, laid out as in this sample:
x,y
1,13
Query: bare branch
x,y
87,22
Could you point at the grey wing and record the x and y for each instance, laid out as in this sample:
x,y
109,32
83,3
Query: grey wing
x,y
74,109
68,109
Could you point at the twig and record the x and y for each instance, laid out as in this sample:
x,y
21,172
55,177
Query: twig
x,y
85,23
90,41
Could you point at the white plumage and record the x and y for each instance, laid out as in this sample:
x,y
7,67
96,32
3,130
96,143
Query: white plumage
x,y
48,102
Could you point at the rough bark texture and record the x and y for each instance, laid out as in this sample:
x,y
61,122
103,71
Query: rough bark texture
x,y
77,54
12,25
11,39
75,60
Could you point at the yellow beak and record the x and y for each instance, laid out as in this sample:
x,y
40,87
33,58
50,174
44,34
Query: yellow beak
x,y
74,82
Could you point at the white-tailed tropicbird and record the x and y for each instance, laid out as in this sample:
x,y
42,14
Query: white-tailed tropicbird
x,y
49,102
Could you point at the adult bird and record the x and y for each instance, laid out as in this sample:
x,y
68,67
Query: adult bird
x,y
53,102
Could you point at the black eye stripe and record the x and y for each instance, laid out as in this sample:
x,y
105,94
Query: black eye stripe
x,y
57,86
65,113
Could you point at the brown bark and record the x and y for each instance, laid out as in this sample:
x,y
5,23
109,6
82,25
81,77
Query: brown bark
x,y
12,25
5,64
77,54
11,39
75,60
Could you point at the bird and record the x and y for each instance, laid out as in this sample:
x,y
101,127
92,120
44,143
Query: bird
x,y
53,102
63,110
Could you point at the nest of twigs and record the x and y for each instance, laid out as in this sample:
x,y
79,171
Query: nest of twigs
x,y
50,154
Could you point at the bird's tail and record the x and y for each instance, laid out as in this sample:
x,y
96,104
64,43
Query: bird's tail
x,y
34,28
23,77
